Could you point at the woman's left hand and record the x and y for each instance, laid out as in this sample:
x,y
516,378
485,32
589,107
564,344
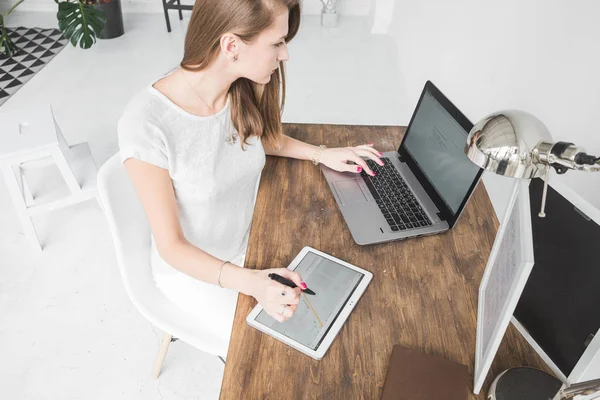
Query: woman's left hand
x,y
336,158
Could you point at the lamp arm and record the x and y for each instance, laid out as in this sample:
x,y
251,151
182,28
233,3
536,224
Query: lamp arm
x,y
569,164
588,168
562,156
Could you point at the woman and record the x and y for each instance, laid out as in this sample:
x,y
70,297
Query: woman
x,y
194,144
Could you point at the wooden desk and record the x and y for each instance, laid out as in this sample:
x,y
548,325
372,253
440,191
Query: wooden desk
x,y
423,294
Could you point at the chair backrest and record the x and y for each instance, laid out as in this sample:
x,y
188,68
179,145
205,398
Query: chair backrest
x,y
128,225
131,236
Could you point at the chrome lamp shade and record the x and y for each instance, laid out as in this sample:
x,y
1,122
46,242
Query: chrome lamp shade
x,y
516,144
507,143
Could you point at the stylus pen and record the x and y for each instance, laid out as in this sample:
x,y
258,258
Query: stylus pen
x,y
289,283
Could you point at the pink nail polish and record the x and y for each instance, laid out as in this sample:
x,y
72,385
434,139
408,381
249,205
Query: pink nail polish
x,y
359,169
374,174
304,286
380,153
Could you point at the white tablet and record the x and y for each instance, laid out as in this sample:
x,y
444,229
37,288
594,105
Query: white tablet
x,y
338,286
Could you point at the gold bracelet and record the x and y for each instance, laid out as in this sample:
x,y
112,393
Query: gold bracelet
x,y
317,156
219,276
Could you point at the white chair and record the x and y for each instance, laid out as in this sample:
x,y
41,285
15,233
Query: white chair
x,y
31,139
131,234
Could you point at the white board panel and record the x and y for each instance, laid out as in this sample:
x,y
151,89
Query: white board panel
x,y
506,273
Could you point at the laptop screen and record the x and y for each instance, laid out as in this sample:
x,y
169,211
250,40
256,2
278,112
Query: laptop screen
x,y
436,142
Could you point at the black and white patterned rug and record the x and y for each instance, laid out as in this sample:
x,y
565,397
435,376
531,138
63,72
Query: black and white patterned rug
x,y
37,47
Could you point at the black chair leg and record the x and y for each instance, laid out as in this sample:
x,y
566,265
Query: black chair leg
x,y
180,13
167,15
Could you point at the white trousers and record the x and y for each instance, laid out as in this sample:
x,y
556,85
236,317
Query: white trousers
x,y
204,302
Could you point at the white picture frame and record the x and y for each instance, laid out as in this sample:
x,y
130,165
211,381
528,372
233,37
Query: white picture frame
x,y
506,273
338,321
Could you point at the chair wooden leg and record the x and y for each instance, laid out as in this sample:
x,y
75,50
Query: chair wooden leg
x,y
162,353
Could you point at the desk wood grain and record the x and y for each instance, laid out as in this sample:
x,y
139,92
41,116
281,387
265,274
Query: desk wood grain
x,y
423,294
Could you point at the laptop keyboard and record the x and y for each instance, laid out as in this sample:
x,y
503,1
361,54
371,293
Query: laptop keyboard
x,y
395,200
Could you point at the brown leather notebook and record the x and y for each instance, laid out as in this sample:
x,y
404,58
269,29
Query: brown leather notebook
x,y
413,375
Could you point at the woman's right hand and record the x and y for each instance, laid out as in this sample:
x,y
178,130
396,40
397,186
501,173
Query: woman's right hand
x,y
278,300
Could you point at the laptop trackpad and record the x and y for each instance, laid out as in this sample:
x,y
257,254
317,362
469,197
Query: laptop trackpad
x,y
349,192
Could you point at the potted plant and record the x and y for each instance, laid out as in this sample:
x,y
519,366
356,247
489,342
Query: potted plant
x,y
113,16
80,21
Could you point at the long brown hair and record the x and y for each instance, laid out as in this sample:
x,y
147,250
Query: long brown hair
x,y
255,108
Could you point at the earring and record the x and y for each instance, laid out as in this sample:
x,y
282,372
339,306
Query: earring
x,y
234,58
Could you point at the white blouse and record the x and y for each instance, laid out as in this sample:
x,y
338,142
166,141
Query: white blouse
x,y
215,184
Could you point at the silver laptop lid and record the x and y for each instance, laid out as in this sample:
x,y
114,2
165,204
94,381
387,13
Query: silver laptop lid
x,y
433,147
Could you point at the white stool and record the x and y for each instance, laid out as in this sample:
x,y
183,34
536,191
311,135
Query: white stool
x,y
32,139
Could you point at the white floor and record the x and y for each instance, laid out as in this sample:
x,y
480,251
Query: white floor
x,y
67,327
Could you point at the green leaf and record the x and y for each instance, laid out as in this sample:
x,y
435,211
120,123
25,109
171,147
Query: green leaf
x,y
80,23
13,7
7,47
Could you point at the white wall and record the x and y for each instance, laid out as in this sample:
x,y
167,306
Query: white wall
x,y
346,7
542,56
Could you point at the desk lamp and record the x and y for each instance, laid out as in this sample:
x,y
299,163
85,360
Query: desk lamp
x,y
516,144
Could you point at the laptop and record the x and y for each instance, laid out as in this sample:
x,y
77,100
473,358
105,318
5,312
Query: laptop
x,y
422,188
